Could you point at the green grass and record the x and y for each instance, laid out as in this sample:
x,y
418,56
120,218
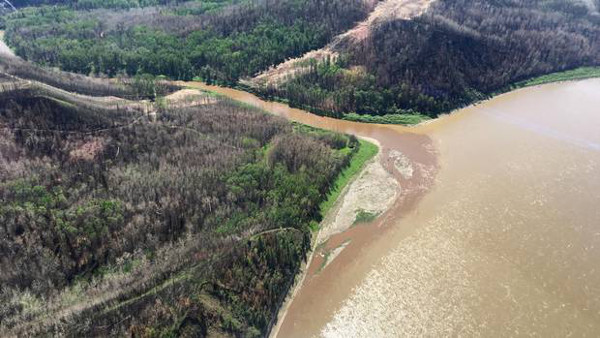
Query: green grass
x,y
366,152
575,74
406,119
306,129
363,216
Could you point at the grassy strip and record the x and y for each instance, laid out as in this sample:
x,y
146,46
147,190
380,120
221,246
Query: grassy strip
x,y
569,75
581,73
366,152
363,216
405,119
402,119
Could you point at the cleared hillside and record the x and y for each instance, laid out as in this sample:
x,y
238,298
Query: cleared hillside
x,y
382,11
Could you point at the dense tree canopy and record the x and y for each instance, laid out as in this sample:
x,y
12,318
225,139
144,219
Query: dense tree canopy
x,y
218,41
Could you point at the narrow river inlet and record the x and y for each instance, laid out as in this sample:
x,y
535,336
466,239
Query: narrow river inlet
x,y
496,232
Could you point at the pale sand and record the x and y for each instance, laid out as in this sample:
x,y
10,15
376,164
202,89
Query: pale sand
x,y
188,97
374,191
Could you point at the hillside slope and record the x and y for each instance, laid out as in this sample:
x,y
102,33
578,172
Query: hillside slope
x,y
438,56
382,11
219,41
397,61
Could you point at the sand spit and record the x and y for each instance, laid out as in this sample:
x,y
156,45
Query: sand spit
x,y
331,255
374,191
340,264
187,98
341,217
506,244
402,164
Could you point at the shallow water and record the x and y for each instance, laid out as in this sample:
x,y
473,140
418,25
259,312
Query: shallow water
x,y
497,232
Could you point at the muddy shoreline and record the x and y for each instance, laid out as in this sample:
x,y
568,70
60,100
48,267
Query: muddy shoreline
x,y
301,277
506,242
357,241
494,230
333,284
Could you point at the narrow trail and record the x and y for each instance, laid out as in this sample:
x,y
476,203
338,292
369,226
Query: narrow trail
x,y
381,11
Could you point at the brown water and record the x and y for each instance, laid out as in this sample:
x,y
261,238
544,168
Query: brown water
x,y
497,233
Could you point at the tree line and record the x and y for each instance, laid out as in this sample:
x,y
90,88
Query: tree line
x,y
181,41
92,4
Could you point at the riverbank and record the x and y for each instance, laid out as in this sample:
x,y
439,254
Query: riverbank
x,y
337,277
368,150
365,174
417,119
505,242
366,156
369,194
582,73
328,296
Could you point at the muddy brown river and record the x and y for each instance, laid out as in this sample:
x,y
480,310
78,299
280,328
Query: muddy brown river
x,y
497,232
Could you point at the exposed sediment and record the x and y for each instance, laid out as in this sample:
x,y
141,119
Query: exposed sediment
x,y
374,191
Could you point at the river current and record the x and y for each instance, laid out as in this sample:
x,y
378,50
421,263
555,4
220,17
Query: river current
x,y
497,233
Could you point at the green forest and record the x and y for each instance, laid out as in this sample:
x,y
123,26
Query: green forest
x,y
456,53
218,41
196,219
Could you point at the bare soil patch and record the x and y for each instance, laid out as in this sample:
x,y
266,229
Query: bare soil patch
x,y
383,11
